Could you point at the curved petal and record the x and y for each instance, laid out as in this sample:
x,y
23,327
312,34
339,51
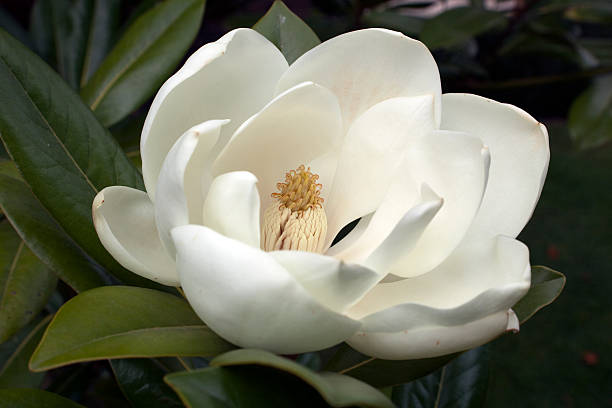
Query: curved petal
x,y
335,284
231,78
454,165
519,160
366,67
371,153
124,219
433,341
184,178
298,126
476,280
232,207
246,297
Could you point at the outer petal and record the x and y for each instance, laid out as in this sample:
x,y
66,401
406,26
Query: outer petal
x,y
455,166
519,160
229,78
298,126
125,222
366,67
498,266
232,207
330,281
184,179
433,341
245,296
379,138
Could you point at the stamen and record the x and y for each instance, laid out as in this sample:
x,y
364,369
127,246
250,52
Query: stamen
x,y
300,191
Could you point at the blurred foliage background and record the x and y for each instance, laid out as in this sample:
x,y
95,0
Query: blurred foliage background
x,y
552,58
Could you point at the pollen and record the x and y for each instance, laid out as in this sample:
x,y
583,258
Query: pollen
x,y
297,220
300,191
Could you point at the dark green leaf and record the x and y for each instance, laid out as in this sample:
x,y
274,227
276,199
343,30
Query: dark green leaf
x,y
15,354
546,286
409,25
590,13
142,383
33,398
590,117
459,25
287,31
13,27
383,373
233,381
129,322
41,30
9,169
25,283
143,59
46,238
101,35
62,151
462,383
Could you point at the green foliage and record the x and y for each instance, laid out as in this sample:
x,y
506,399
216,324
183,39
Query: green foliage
x,y
33,398
255,378
143,59
590,116
287,31
546,286
25,283
129,322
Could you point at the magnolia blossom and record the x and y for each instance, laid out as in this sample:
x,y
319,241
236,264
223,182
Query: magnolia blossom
x,y
252,168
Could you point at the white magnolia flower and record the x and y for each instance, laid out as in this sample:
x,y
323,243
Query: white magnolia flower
x,y
252,167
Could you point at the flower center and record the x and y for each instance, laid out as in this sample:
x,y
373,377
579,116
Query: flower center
x,y
297,220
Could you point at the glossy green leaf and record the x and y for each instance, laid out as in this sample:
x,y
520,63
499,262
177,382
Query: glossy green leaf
x,y
25,283
459,25
46,238
9,169
33,398
62,151
462,383
383,373
287,31
546,286
143,59
15,354
142,383
253,378
590,116
129,322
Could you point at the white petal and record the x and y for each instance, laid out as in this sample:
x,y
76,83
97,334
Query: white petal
x,y
232,207
184,179
246,297
372,151
231,78
476,280
454,165
124,219
366,67
519,160
335,284
298,126
432,341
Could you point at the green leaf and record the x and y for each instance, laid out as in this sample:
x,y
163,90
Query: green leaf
x,y
15,354
62,151
462,383
383,373
25,283
590,116
409,25
142,383
143,59
46,238
590,13
287,31
459,25
9,169
546,286
253,378
129,322
33,398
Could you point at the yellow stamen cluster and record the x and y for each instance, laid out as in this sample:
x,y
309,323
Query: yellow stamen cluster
x,y
300,190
